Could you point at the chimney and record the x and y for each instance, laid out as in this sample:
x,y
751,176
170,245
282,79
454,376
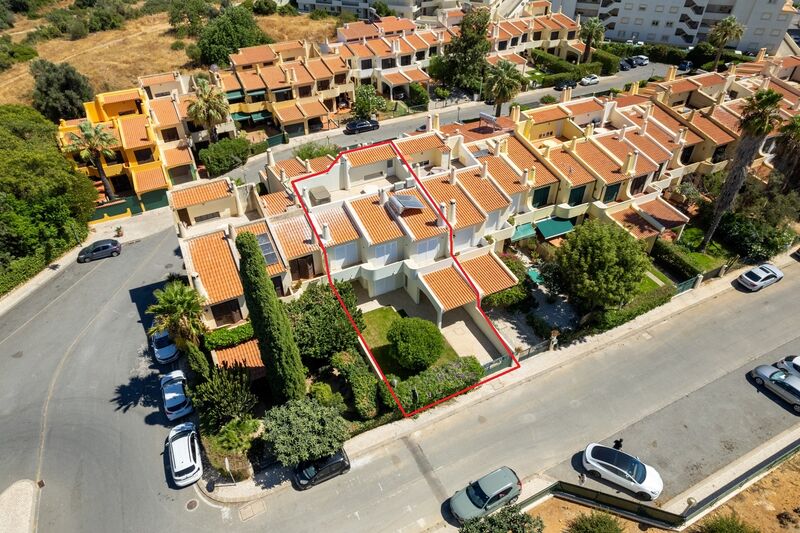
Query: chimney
x,y
672,71
589,131
573,143
796,105
621,134
453,178
308,166
578,19
198,285
284,178
691,115
294,74
383,196
682,135
306,198
530,177
231,233
502,146
440,219
451,213
495,31
326,232
547,149
762,53
732,70
634,88
344,172
270,158
764,84
429,123
721,97
286,76
435,121
648,110
566,95
485,167
643,128
629,168
515,112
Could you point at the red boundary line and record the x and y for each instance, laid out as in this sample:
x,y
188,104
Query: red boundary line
x,y
452,255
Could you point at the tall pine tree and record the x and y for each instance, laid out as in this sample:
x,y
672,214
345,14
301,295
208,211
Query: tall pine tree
x,y
270,324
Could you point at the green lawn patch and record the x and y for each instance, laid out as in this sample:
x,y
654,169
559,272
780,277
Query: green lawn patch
x,y
660,275
646,285
378,322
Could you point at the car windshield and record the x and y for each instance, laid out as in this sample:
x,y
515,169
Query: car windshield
x,y
162,342
310,471
780,375
476,495
638,471
751,275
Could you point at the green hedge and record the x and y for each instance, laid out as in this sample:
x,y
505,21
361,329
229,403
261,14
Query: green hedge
x,y
675,260
552,79
225,155
608,61
436,383
589,68
362,381
549,61
18,271
226,337
638,306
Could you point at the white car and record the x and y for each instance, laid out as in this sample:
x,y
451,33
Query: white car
x,y
591,79
164,350
642,60
173,395
624,470
761,276
790,364
183,447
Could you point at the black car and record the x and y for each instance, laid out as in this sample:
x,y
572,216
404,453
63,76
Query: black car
x,y
623,65
631,62
310,473
100,249
359,126
685,65
560,86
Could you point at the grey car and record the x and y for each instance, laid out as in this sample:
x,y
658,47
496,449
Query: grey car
x,y
489,493
779,382
100,249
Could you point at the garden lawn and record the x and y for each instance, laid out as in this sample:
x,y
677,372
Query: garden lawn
x,y
647,284
378,322
716,252
536,76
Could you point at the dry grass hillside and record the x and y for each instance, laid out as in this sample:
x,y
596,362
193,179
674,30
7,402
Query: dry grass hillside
x,y
289,28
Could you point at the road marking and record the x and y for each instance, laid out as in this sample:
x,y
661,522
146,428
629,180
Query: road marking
x,y
426,468
60,366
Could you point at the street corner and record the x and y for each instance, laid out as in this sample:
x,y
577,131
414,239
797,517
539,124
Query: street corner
x,y
18,507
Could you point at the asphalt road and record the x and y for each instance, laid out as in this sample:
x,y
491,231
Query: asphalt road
x,y
395,128
677,393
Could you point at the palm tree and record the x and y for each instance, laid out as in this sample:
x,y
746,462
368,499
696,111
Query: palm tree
x,y
90,143
179,310
209,107
723,32
787,157
502,83
592,31
760,115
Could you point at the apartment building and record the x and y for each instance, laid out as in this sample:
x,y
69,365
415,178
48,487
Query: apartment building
x,y
686,22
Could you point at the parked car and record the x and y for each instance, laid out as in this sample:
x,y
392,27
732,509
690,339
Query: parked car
x,y
359,126
623,65
563,84
489,493
310,473
685,65
631,62
591,79
183,447
759,277
785,385
164,350
790,365
173,395
400,95
100,249
641,60
422,128
622,469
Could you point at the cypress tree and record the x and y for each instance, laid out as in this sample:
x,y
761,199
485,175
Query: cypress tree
x,y
270,323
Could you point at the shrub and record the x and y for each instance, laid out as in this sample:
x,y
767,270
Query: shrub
x,y
438,382
753,239
550,62
539,326
325,396
233,29
725,524
362,382
78,30
345,17
588,68
509,519
506,298
105,19
313,149
288,10
416,343
640,305
318,14
224,397
548,99
232,442
595,522
264,7
194,54
609,62
418,95
552,79
177,45
441,92
675,260
197,360
226,337
225,155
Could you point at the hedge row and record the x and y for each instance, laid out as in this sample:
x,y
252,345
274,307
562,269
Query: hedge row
x,y
549,61
434,384
18,271
226,337
638,306
675,260
609,62
362,381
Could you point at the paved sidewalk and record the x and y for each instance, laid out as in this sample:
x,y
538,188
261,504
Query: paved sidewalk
x,y
18,506
530,369
134,228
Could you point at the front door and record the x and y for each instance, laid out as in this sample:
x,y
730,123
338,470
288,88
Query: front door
x,y
637,185
302,268
576,196
611,193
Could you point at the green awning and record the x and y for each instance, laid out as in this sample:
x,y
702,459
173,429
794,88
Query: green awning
x,y
239,117
523,231
257,93
234,94
554,227
261,115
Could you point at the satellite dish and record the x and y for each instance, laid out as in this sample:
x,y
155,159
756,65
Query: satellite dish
x,y
213,68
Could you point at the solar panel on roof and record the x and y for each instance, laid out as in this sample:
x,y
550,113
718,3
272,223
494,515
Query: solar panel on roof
x,y
409,201
267,250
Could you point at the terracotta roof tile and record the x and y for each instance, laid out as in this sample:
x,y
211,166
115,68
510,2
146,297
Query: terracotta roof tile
x,y
174,157
121,96
392,25
627,100
301,74
566,163
512,29
621,149
375,219
246,355
663,213
488,274
230,82
395,78
294,235
284,46
585,106
421,222
484,191
416,75
260,228
548,23
673,124
314,109
418,144
646,145
338,221
449,287
357,30
336,64
275,78
709,80
475,131
134,131
276,203
442,190
405,48
158,79
165,112
523,158
416,42
512,58
318,69
608,169
358,50
681,86
726,118
565,21
714,132
212,258
634,223
547,114
373,154
289,113
199,194
261,54
151,179
504,174
251,80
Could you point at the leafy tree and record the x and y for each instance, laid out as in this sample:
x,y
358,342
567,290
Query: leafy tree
x,y
187,17
321,328
270,324
224,397
600,264
511,519
367,102
592,32
418,94
288,10
11,52
416,343
465,56
502,83
59,90
235,28
313,149
91,143
264,7
438,70
382,10
304,430
178,309
318,14
594,523
346,16
208,108
198,362
773,204
225,155
787,159
725,524
723,32
759,116
323,394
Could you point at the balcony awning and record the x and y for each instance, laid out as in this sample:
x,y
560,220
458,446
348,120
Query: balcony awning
x,y
234,94
260,115
523,231
240,116
554,227
260,92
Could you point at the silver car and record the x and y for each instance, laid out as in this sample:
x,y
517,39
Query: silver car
x,y
790,364
761,276
624,470
781,383
173,395
489,493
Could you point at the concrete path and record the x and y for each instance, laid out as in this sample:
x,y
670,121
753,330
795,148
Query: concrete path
x,y
654,278
18,506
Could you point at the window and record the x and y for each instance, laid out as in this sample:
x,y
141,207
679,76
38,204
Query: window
x,y
642,7
426,250
783,17
759,31
537,36
651,36
553,35
629,7
226,312
664,38
625,20
669,23
143,156
621,33
654,22
540,196
405,60
611,193
514,41
170,134
766,16
673,9
419,56
638,22
659,9
208,216
433,50
366,64
576,196
524,37
775,33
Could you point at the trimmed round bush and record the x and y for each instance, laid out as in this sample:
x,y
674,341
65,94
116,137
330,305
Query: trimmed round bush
x,y
726,524
594,523
417,343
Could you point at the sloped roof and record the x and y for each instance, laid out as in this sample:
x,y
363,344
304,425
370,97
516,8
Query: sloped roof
x,y
449,287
